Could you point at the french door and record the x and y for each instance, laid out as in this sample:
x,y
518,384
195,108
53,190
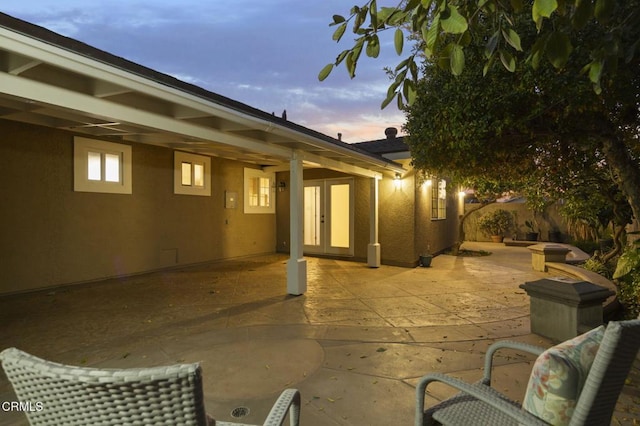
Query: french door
x,y
328,216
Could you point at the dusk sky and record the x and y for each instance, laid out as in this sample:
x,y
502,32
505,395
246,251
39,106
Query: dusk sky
x,y
266,54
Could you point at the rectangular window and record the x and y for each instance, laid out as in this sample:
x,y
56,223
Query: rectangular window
x,y
259,188
259,192
192,174
439,199
101,166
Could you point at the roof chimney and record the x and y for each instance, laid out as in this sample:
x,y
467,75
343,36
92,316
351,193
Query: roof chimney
x,y
339,136
391,132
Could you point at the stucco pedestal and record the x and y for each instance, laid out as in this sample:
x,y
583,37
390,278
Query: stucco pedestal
x,y
562,308
543,253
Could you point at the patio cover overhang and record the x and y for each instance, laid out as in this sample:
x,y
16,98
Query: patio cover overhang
x,y
54,81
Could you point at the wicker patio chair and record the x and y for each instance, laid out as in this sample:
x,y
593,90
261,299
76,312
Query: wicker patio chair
x,y
594,403
66,395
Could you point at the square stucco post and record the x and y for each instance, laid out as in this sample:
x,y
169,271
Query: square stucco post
x,y
296,265
373,249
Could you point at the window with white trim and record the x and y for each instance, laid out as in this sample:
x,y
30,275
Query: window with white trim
x,y
439,199
100,166
192,174
259,191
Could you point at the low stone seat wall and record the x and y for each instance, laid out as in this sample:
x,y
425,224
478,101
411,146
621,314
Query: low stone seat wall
x,y
611,305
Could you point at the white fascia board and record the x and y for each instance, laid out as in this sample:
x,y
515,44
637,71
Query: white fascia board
x,y
43,93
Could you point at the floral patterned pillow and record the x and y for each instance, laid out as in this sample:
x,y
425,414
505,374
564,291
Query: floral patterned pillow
x,y
558,376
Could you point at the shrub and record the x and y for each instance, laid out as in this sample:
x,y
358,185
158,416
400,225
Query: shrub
x,y
497,222
595,265
627,276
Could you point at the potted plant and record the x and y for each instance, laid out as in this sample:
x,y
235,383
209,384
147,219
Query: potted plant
x,y
426,257
555,235
496,224
531,234
425,260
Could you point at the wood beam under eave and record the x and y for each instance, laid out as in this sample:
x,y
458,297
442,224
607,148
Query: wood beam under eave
x,y
16,64
104,89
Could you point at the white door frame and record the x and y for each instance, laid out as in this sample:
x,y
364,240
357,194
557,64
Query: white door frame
x,y
323,220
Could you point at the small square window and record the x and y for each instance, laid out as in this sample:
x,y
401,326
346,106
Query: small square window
x,y
101,166
192,174
259,189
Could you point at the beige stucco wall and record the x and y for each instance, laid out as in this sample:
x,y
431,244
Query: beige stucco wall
x,y
53,236
397,221
398,208
435,236
548,220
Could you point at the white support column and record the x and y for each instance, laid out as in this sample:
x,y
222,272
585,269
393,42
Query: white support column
x,y
296,265
373,249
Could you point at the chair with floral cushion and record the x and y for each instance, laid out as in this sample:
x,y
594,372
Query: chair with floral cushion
x,y
59,394
574,383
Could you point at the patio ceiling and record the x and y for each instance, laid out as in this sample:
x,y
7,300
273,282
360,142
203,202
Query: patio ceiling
x,y
50,80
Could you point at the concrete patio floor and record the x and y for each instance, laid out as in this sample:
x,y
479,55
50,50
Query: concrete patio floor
x,y
354,345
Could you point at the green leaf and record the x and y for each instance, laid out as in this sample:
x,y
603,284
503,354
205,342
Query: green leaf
x,y
457,59
430,36
388,100
443,60
542,9
413,68
452,21
337,19
492,43
324,72
398,40
341,56
385,13
558,49
427,4
488,66
595,71
508,61
400,103
628,261
373,47
512,38
373,14
409,91
339,32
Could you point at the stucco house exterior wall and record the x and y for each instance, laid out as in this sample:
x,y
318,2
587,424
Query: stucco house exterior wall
x,y
53,235
407,226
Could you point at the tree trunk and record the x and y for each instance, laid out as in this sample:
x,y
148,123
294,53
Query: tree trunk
x,y
627,173
455,250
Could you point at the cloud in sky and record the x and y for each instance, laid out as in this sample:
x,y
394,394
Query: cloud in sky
x,y
266,54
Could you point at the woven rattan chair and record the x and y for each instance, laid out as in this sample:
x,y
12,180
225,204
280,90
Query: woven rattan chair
x,y
480,404
65,395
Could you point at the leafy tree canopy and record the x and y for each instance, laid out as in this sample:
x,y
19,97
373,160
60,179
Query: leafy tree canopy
x,y
446,28
543,129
